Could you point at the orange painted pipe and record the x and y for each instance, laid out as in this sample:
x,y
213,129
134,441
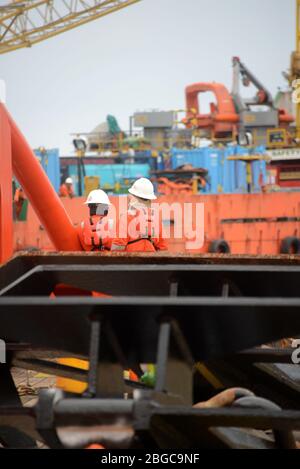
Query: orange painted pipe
x,y
41,193
6,203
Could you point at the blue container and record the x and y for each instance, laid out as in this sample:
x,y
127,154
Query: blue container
x,y
207,158
259,169
50,163
224,176
181,157
160,163
110,174
229,171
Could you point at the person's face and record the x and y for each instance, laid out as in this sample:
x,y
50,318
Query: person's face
x,y
102,210
98,209
131,199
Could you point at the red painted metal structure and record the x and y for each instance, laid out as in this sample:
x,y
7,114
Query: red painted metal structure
x,y
6,203
223,118
250,223
17,158
287,173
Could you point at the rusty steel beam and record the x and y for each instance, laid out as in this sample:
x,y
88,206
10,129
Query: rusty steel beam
x,y
159,258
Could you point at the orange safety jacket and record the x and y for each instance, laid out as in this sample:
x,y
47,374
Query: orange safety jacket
x,y
19,199
147,238
89,235
19,195
66,191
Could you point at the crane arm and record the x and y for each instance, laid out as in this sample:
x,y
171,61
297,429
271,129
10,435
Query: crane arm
x,y
27,22
241,71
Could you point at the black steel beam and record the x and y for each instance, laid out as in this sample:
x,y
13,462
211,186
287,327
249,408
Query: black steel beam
x,y
266,355
211,326
133,280
230,417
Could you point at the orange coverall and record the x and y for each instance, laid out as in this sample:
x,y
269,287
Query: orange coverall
x,y
19,198
66,191
89,235
147,239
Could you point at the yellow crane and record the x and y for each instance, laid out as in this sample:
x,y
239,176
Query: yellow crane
x,y
27,22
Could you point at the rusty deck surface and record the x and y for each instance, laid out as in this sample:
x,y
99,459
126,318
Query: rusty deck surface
x,y
29,383
158,258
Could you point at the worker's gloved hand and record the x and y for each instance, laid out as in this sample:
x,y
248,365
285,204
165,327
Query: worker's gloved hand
x,y
149,377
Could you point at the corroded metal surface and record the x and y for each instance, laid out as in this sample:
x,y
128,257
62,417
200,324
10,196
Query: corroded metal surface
x,y
163,258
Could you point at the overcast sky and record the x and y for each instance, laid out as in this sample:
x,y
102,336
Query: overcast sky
x,y
139,58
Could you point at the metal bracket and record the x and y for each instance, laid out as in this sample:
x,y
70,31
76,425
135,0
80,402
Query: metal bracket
x,y
174,363
45,423
107,362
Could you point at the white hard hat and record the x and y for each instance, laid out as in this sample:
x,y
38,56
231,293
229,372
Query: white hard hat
x,y
69,181
97,197
143,188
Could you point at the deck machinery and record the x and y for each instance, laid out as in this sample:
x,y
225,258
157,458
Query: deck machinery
x,y
248,121
201,319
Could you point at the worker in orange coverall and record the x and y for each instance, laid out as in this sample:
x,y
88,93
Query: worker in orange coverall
x,y
19,198
94,231
66,189
140,228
